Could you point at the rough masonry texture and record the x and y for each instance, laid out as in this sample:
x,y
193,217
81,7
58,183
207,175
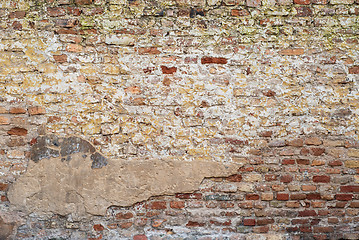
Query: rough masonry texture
x,y
177,119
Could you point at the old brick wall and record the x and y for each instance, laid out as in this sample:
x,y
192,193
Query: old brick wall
x,y
251,103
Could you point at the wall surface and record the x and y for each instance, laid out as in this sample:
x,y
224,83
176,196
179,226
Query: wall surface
x,y
178,119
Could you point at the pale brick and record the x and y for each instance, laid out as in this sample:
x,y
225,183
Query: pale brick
x,y
245,187
253,177
353,153
4,120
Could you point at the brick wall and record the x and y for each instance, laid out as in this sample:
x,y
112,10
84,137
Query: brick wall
x,y
270,85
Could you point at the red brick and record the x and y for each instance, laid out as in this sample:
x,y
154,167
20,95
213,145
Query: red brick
x,y
140,237
66,31
260,229
239,12
303,161
323,212
148,50
323,229
98,227
17,25
353,188
317,151
17,110
194,224
303,2
3,186
268,93
177,204
189,195
127,215
168,70
307,213
321,179
17,131
305,229
313,196
335,163
352,204
333,220
152,214
265,221
288,161
235,178
158,205
314,221
286,178
249,222
343,197
53,119
340,204
304,151
36,110
125,225
282,196
217,223
60,58
215,60
354,70
83,2
292,229
252,197
300,221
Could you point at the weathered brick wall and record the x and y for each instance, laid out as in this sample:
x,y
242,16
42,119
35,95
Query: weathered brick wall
x,y
269,87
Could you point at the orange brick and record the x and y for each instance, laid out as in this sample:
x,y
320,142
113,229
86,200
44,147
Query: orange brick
x,y
177,204
4,120
309,188
17,110
74,48
292,51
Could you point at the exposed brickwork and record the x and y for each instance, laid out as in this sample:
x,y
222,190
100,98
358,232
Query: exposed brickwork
x,y
272,85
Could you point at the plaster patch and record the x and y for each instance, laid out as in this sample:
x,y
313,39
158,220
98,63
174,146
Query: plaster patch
x,y
90,183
